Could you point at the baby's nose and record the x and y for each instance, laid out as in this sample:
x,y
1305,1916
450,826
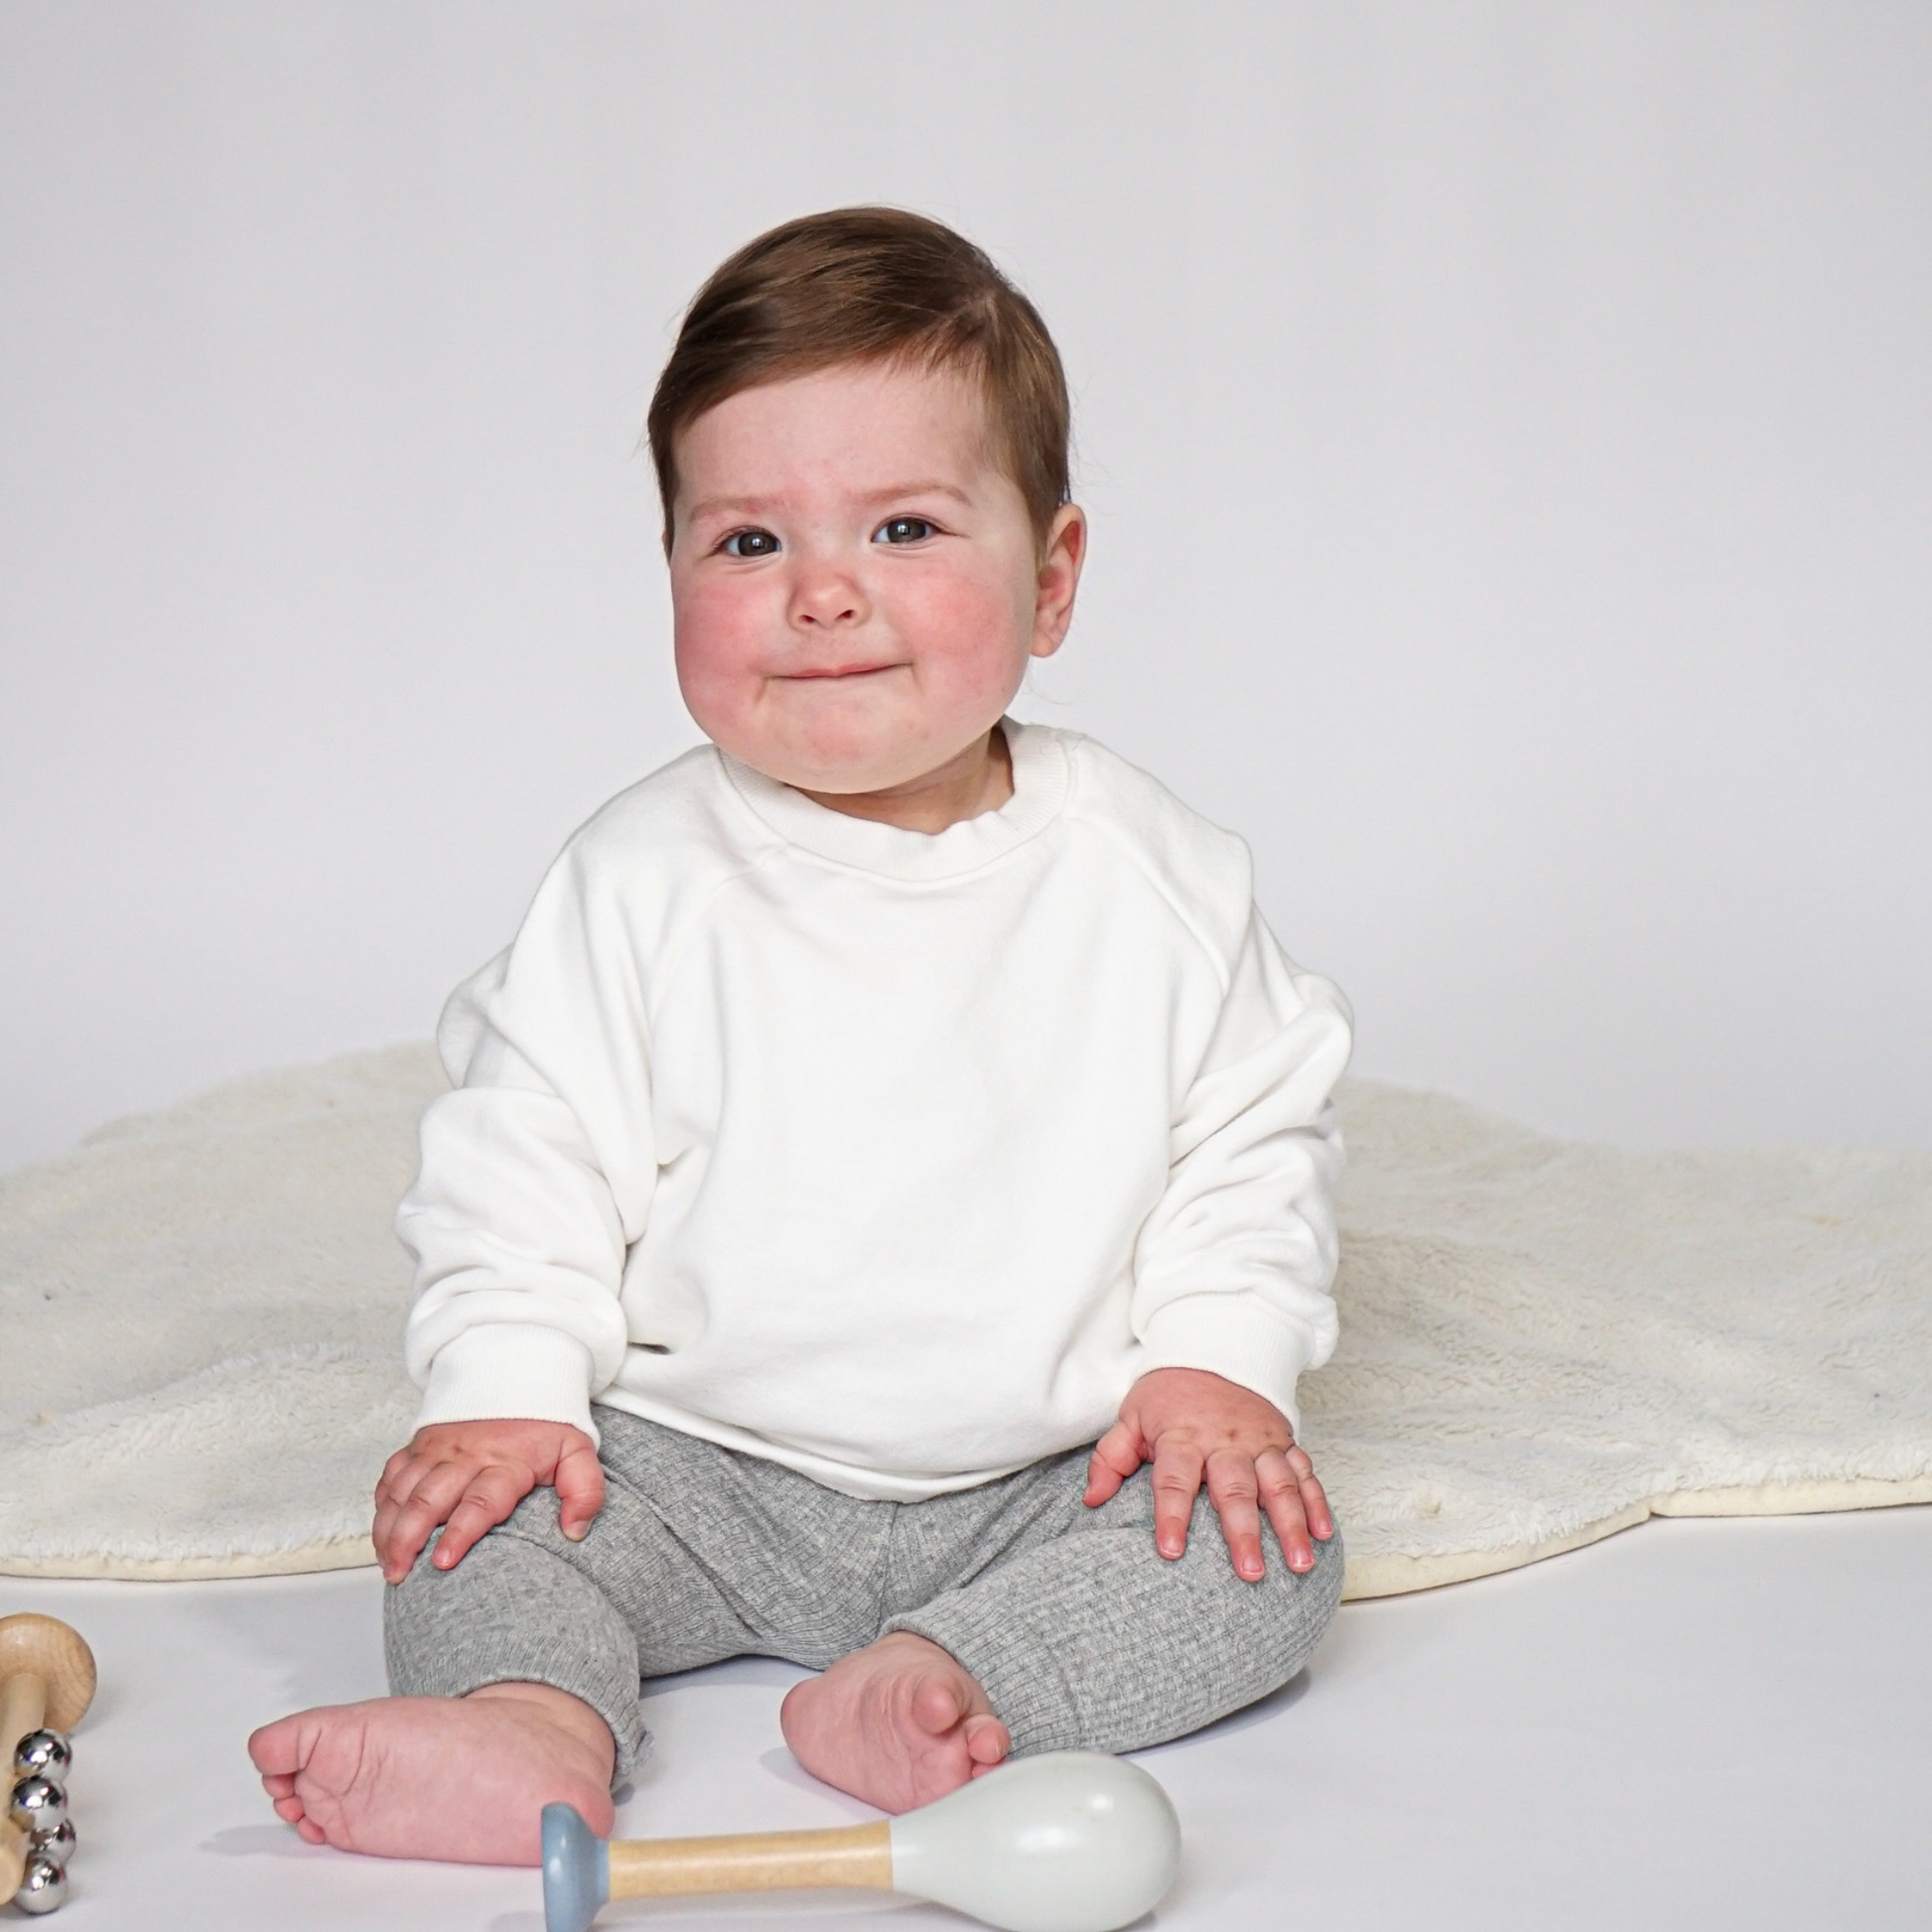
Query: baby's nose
x,y
827,598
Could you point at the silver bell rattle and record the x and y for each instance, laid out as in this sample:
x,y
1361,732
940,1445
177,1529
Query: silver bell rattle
x,y
55,1847
43,1888
38,1806
46,1681
42,1755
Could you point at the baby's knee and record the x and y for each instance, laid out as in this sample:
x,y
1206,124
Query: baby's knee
x,y
1242,1640
513,1610
426,1614
1277,1619
525,1524
1253,1638
519,1572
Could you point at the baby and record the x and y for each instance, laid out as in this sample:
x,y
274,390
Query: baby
x,y
887,1193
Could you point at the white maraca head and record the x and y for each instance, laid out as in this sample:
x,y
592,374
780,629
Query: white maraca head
x,y
1070,1842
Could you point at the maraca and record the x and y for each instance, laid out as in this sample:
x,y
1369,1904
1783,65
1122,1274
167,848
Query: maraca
x,y
1070,1841
46,1681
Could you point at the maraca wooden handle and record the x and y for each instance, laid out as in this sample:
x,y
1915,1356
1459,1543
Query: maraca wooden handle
x,y
668,1867
23,1709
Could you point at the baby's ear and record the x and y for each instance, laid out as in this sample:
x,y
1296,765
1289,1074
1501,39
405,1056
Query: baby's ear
x,y
1062,558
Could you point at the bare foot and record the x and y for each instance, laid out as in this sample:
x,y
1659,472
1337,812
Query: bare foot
x,y
458,1778
898,1724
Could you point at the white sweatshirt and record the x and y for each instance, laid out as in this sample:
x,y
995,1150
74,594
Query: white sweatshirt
x,y
892,1157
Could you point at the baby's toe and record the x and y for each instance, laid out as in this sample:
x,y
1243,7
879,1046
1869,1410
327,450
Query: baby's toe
x,y
938,1704
987,1740
275,1749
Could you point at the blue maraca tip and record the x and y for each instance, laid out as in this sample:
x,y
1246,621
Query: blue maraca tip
x,y
576,1870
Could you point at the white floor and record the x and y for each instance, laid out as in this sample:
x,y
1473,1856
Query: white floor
x,y
1694,1725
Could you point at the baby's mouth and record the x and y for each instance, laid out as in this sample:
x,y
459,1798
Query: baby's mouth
x,y
838,672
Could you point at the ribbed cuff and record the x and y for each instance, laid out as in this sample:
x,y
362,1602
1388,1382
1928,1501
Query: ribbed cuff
x,y
1237,1337
510,1369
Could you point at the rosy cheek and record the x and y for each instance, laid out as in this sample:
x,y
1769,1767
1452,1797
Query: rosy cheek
x,y
718,626
966,626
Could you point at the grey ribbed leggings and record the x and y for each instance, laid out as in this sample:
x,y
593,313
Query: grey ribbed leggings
x,y
1082,1634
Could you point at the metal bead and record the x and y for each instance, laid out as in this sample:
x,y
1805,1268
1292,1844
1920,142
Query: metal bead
x,y
43,1888
56,1846
42,1755
39,1804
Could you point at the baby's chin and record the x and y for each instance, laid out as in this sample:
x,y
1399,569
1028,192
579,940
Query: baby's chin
x,y
845,779
852,755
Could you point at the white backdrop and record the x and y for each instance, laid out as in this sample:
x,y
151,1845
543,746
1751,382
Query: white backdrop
x,y
1508,431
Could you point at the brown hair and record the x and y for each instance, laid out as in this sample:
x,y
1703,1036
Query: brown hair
x,y
863,285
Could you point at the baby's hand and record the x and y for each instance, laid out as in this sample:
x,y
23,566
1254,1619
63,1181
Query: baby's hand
x,y
1189,1422
471,1475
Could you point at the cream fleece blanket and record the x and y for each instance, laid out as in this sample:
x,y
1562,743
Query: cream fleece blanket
x,y
201,1315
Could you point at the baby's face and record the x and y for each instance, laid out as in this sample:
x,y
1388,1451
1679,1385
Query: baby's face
x,y
855,584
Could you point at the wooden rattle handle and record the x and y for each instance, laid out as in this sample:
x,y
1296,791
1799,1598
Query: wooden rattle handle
x,y
23,1709
47,1678
665,1867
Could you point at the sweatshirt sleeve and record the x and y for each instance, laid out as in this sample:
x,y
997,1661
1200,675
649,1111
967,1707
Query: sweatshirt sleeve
x,y
537,1170
1234,1266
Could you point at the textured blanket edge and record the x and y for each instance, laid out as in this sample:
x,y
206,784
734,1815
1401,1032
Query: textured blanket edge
x,y
1367,1576
1397,1575
352,1553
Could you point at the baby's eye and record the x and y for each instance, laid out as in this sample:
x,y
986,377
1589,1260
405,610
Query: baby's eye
x,y
750,543
902,529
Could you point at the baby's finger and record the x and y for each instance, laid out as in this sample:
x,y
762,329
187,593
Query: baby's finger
x,y
1280,1496
430,1504
1176,1482
1115,1457
580,1490
380,1533
1232,1489
492,1495
397,1548
1314,1499
400,1475
399,1544
394,1554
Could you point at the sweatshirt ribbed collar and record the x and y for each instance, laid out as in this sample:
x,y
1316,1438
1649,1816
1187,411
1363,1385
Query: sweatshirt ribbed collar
x,y
1039,788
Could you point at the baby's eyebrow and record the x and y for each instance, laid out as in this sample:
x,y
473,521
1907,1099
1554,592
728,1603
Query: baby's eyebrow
x,y
729,506
765,506
929,489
